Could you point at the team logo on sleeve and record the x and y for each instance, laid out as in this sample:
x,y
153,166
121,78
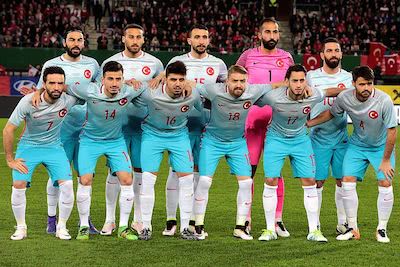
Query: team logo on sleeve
x,y
247,105
146,70
373,114
280,63
210,71
62,113
123,101
87,74
341,86
184,108
306,110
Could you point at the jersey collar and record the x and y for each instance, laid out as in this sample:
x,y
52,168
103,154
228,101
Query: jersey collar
x,y
66,60
141,54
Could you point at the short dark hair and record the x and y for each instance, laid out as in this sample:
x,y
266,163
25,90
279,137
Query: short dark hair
x,y
178,67
295,68
197,26
52,70
73,29
132,26
329,40
112,66
236,69
270,19
364,72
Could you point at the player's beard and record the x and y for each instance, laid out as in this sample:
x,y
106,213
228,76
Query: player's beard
x,y
200,52
364,94
134,50
72,54
55,94
332,64
270,45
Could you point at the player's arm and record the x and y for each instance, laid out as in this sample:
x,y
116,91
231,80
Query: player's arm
x,y
242,59
321,118
386,167
153,83
8,143
333,91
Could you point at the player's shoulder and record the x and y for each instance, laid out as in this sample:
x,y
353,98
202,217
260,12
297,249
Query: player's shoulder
x,y
115,57
283,53
89,59
253,50
381,95
183,57
149,56
314,73
53,61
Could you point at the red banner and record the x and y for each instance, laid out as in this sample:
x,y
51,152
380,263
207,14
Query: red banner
x,y
4,85
311,62
376,53
391,66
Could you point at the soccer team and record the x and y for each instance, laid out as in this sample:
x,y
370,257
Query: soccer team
x,y
131,111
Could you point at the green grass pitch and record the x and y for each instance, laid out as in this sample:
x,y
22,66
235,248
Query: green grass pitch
x,y
220,249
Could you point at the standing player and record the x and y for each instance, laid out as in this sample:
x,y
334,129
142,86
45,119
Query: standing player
x,y
40,144
102,135
265,64
288,137
82,69
330,140
372,142
164,128
140,66
224,137
202,68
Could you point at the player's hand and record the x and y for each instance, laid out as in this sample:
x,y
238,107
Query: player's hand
x,y
307,91
153,83
387,169
27,90
36,99
134,83
189,86
18,165
309,124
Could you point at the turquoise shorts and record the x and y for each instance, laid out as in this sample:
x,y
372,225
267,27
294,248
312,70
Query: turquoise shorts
x,y
178,147
328,157
134,144
115,151
235,152
299,151
52,157
357,159
195,140
71,147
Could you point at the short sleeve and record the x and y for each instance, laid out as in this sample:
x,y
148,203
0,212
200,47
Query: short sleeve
x,y
159,67
20,112
242,59
337,108
388,113
223,72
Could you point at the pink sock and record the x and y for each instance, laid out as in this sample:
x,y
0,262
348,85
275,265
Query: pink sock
x,y
281,198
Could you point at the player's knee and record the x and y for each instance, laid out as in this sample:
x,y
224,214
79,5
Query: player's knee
x,y
307,181
320,184
384,183
271,181
349,179
86,179
19,184
339,182
125,178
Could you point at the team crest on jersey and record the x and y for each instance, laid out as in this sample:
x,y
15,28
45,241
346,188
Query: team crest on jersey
x,y
87,74
306,110
146,70
210,71
62,113
341,86
184,108
280,63
247,105
123,101
373,114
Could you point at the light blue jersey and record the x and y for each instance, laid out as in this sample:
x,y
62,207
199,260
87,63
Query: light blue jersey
x,y
42,124
289,116
83,71
371,118
142,68
166,115
228,114
333,133
104,115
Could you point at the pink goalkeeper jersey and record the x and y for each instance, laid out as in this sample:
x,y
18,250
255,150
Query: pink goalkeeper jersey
x,y
264,68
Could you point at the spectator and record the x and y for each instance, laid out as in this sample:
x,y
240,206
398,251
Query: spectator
x,y
102,41
98,14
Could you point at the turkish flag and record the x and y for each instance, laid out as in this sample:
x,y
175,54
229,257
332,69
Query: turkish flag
x,y
391,64
376,53
311,62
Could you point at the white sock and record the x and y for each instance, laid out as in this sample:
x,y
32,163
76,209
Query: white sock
x,y
172,195
125,204
53,194
243,201
385,205
319,193
311,206
196,177
350,203
201,198
270,201
137,184
147,198
66,203
83,199
112,190
18,203
185,200
341,213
